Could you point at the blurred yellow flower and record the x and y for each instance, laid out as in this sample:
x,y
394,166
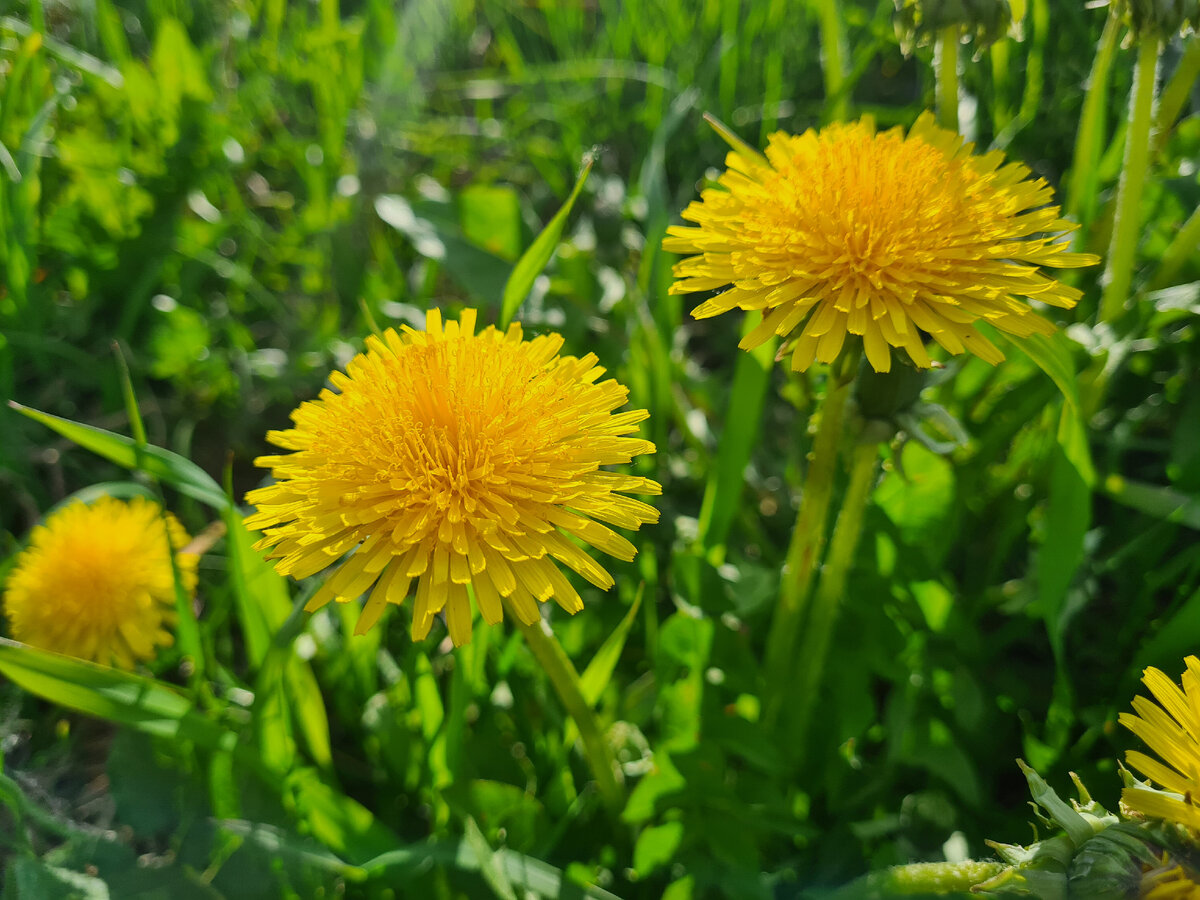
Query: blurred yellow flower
x,y
1171,728
1172,883
96,582
462,460
881,235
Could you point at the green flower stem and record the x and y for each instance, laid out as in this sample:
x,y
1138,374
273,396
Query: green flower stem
x,y
1119,275
1176,93
921,878
833,60
550,656
808,540
827,603
947,77
1090,136
1180,250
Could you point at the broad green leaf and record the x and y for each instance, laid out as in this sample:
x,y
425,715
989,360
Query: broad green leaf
x,y
342,824
918,496
180,473
534,260
656,847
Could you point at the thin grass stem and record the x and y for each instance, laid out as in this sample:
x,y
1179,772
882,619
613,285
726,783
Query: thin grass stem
x,y
833,59
1119,276
1089,138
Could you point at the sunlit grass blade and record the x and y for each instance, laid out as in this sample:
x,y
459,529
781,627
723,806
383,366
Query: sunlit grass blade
x,y
177,471
1083,186
596,676
142,703
534,260
1053,356
491,868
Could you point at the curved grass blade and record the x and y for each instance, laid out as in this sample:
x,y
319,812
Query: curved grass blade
x,y
142,703
177,471
533,260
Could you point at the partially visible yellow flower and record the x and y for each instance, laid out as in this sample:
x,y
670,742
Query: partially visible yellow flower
x,y
465,461
849,231
1172,883
96,582
1171,728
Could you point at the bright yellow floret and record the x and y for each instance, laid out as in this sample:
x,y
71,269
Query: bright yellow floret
x,y
1171,728
882,235
96,582
463,462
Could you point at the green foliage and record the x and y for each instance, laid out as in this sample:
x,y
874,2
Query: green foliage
x,y
235,192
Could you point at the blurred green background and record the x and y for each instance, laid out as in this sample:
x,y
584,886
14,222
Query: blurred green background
x,y
227,189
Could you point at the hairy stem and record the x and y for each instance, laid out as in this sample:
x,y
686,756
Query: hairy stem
x,y
550,656
827,603
946,66
808,540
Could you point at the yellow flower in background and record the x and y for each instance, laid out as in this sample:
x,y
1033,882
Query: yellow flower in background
x,y
460,460
96,581
1168,883
849,231
1171,728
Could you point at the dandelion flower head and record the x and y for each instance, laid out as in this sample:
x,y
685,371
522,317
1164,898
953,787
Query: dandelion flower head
x,y
1171,728
96,581
463,462
882,235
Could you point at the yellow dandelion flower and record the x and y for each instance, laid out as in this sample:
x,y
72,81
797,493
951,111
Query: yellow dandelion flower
x,y
460,460
96,581
1168,883
1171,728
849,231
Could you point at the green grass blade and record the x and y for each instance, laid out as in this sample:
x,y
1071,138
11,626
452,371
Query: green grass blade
x,y
596,676
1053,356
1084,183
726,480
490,867
127,699
180,473
534,260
